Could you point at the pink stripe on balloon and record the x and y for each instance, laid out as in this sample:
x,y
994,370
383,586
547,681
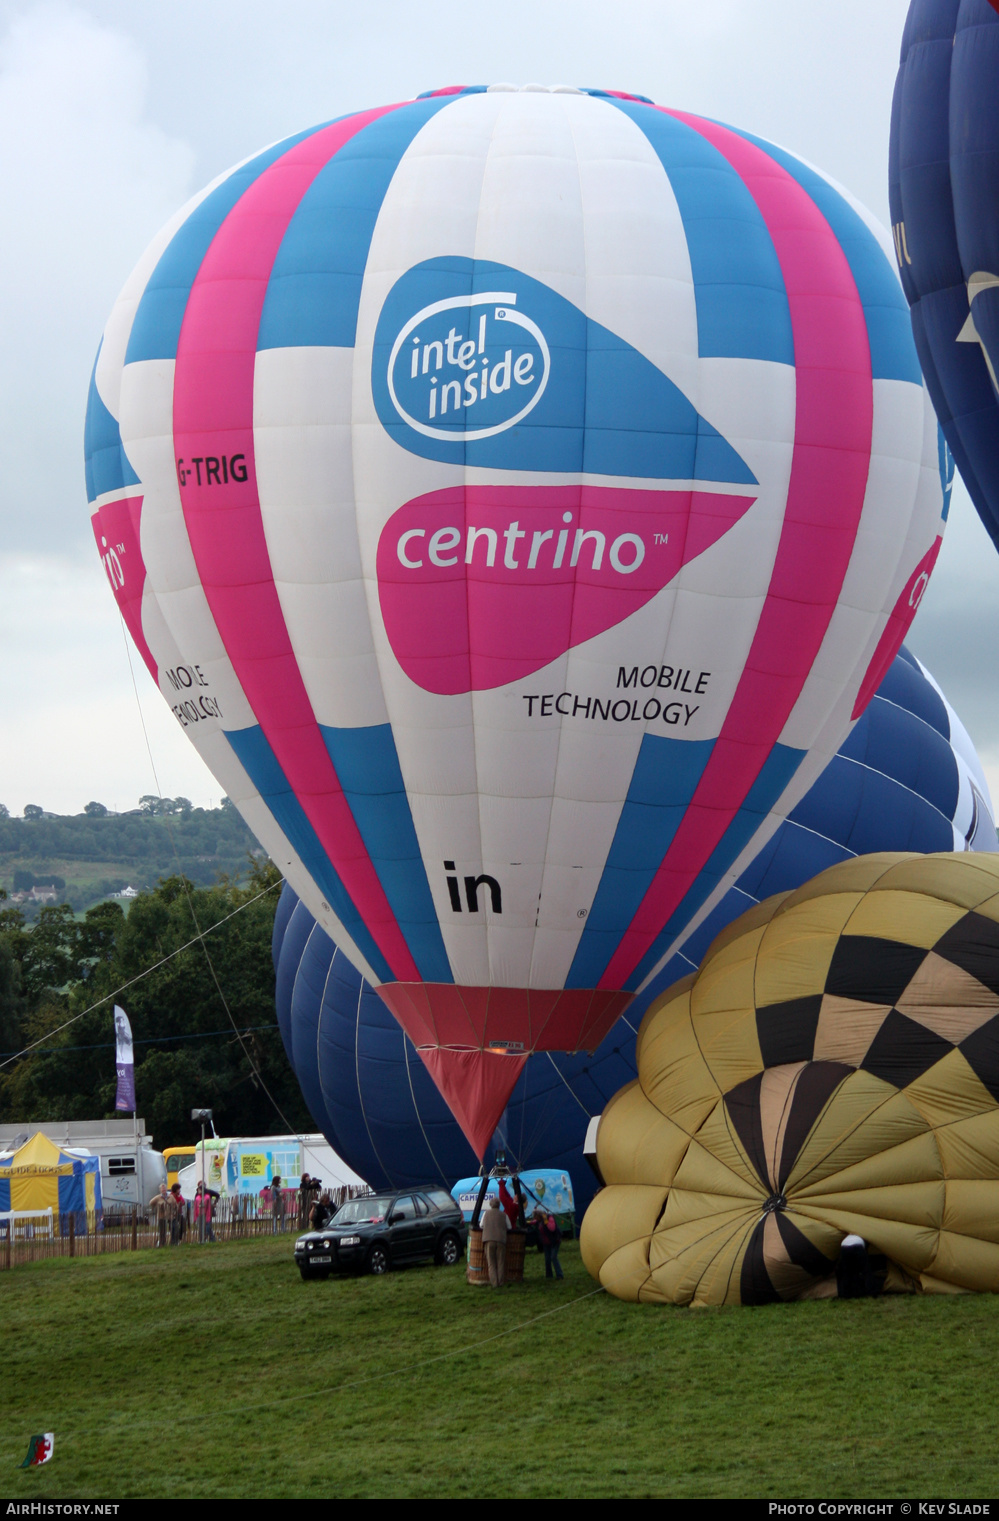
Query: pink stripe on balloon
x,y
897,627
116,529
834,412
213,435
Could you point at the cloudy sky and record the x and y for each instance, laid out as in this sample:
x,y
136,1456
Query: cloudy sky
x,y
111,114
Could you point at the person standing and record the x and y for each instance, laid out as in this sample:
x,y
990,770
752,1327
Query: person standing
x,y
159,1204
550,1238
204,1207
178,1221
277,1196
308,1192
509,1205
495,1226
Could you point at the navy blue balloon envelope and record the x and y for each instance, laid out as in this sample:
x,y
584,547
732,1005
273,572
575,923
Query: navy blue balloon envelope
x,y
907,778
944,194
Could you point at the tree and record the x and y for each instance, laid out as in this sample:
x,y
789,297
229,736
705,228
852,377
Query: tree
x,y
24,881
95,810
186,1050
51,953
4,811
101,925
32,811
11,1002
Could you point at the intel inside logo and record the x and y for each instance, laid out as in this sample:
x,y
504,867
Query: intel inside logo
x,y
476,363
473,365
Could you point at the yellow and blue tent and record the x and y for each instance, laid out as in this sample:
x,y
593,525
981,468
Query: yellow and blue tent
x,y
40,1175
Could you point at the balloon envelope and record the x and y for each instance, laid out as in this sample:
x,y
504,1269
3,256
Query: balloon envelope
x,y
516,494
906,779
831,1070
944,195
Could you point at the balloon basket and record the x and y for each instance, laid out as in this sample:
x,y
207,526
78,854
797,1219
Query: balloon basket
x,y
477,1272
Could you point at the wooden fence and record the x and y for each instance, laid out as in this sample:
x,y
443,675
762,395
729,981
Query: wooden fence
x,y
36,1235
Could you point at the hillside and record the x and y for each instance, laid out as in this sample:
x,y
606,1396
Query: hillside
x,y
84,857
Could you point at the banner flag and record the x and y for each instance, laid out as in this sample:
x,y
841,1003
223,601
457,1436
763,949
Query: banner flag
x,y
124,1061
39,1450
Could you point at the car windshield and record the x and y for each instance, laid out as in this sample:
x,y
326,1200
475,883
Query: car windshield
x,y
361,1212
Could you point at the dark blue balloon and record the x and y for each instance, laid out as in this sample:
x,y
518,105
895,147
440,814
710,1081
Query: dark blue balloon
x,y
943,185
907,778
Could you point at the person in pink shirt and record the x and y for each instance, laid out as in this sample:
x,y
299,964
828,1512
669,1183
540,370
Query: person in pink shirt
x,y
204,1208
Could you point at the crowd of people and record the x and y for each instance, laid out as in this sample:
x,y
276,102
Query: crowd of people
x,y
170,1213
173,1215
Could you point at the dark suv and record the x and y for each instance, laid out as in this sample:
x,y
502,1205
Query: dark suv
x,y
380,1230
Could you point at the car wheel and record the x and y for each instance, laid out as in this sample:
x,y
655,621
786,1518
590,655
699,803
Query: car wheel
x,y
448,1249
378,1260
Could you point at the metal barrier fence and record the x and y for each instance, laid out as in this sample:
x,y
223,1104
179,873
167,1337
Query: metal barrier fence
x,y
34,1235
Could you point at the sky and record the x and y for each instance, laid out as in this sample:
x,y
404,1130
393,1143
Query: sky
x,y
112,114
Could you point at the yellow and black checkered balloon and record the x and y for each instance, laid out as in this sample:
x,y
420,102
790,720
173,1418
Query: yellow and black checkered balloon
x,y
831,1068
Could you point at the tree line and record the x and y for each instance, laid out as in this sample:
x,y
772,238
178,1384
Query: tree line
x,y
187,1052
90,855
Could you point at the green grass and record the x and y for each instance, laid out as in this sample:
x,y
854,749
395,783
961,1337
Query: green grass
x,y
215,1372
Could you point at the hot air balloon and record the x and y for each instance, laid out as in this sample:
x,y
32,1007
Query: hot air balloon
x,y
944,195
831,1070
516,494
906,778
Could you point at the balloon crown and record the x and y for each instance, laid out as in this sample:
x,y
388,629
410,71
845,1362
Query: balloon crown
x,y
531,89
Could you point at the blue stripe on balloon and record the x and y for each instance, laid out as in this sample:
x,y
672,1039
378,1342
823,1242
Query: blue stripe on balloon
x,y
261,766
886,311
665,777
367,765
742,306
106,464
777,771
156,328
315,285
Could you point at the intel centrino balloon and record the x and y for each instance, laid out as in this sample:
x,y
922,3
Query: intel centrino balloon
x,y
516,494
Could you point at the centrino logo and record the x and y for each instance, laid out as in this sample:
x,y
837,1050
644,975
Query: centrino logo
x,y
471,366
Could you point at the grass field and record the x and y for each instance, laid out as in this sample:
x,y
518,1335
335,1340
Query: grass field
x,y
216,1372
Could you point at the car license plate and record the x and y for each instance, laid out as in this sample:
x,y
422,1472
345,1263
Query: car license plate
x,y
320,1259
